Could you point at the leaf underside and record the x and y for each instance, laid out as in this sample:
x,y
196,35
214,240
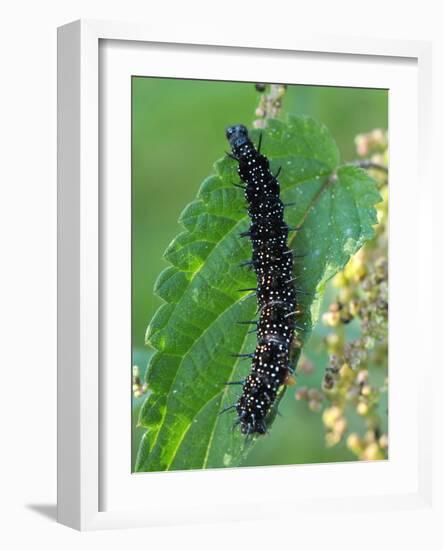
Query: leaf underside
x,y
196,332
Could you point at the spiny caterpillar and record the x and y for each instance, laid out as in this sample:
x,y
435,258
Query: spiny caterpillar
x,y
272,261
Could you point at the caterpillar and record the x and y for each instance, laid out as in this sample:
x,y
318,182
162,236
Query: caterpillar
x,y
272,261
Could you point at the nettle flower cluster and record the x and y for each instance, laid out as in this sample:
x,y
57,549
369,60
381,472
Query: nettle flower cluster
x,y
355,383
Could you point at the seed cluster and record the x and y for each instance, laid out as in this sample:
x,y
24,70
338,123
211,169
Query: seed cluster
x,y
273,262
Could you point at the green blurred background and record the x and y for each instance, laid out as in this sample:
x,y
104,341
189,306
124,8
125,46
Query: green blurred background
x,y
177,134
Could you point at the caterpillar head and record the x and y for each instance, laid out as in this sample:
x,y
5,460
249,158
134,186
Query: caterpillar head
x,y
237,135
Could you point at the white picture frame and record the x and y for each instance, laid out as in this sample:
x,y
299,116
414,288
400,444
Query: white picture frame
x,y
95,489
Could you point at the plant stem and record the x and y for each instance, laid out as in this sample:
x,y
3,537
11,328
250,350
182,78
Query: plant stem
x,y
270,105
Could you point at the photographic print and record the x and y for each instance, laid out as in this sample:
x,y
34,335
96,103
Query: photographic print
x,y
259,274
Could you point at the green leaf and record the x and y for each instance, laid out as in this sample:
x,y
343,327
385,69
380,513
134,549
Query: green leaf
x,y
195,332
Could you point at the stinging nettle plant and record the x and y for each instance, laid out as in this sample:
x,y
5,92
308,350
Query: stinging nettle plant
x,y
355,381
195,333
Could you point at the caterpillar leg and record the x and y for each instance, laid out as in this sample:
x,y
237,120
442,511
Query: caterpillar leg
x,y
247,322
243,355
246,263
226,409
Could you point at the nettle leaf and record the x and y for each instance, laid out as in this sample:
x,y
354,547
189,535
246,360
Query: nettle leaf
x,y
196,332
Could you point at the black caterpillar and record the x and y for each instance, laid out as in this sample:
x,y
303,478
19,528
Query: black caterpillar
x,y
272,261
